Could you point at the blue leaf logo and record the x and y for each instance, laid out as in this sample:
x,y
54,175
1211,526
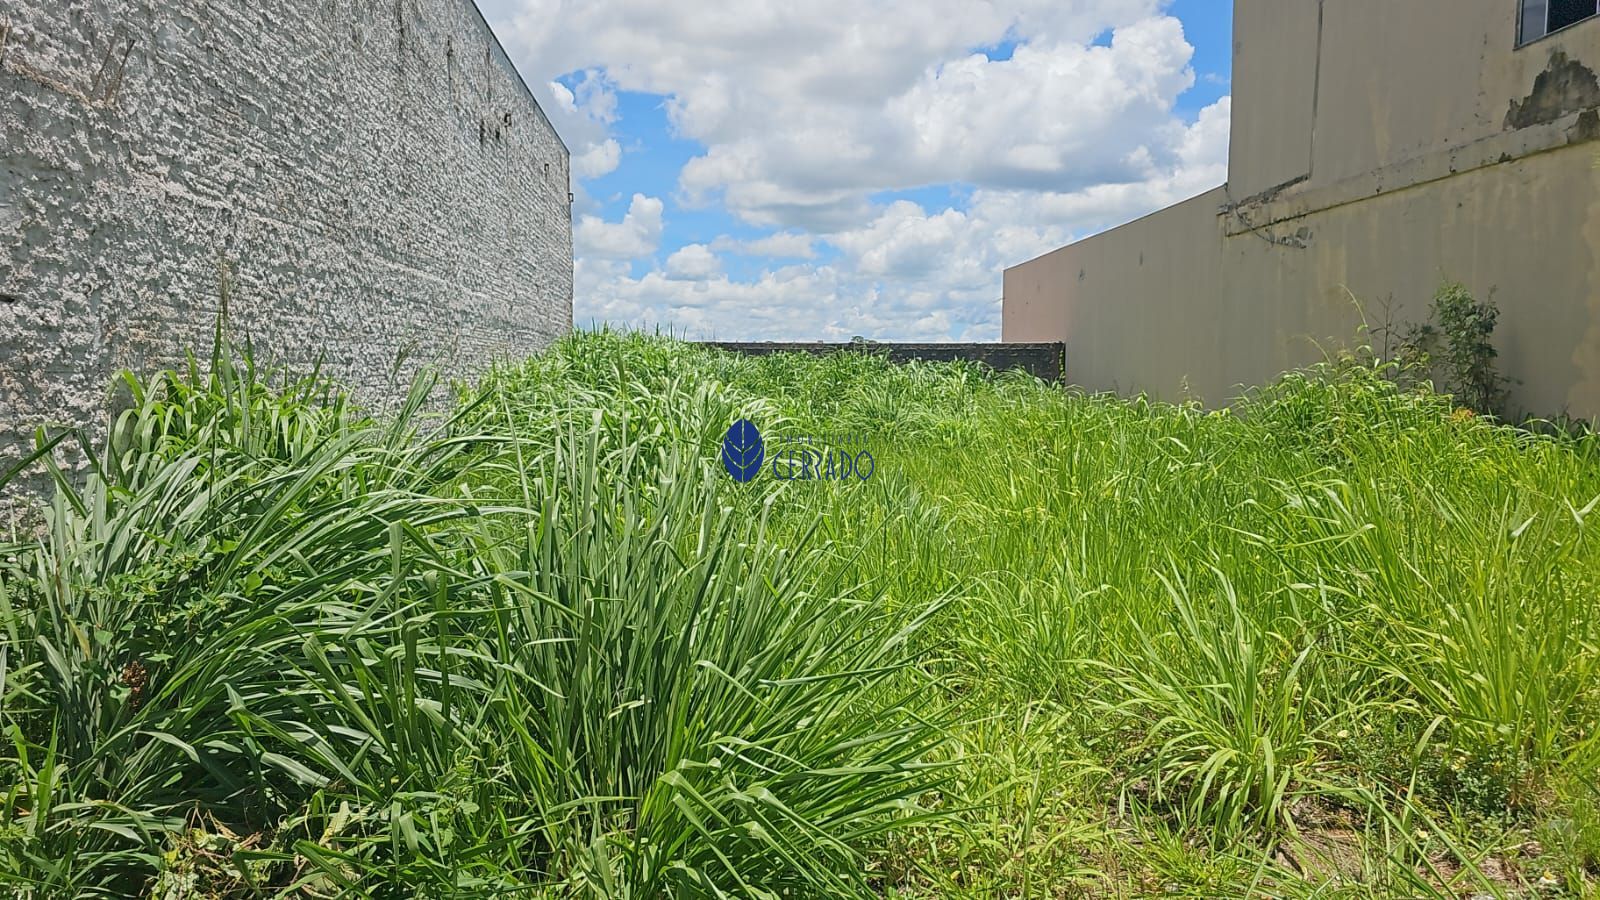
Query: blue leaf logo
x,y
743,451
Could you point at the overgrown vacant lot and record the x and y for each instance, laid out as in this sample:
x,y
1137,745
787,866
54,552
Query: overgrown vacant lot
x,y
1338,641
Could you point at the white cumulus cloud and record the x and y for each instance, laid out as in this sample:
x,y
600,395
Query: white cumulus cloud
x,y
784,244
637,234
693,262
805,114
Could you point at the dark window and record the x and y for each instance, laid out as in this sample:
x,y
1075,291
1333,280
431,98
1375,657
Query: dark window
x,y
1568,12
1540,17
1535,15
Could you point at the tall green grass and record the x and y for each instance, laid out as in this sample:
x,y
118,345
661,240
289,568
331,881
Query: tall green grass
x,y
271,645
1337,640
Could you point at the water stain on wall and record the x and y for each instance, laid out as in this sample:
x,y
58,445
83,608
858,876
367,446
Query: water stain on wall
x,y
1566,86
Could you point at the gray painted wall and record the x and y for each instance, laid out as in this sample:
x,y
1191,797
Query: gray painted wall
x,y
371,179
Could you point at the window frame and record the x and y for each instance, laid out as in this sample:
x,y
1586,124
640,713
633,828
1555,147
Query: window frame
x,y
1524,40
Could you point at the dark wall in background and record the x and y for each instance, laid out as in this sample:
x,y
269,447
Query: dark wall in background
x,y
1042,360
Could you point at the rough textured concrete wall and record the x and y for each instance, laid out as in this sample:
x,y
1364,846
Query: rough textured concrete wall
x,y
371,180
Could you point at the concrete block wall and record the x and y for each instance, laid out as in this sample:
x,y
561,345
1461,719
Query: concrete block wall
x,y
371,181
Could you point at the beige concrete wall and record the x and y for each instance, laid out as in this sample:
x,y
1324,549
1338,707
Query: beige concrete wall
x,y
1402,79
1174,306
1126,303
1274,81
1336,90
1437,150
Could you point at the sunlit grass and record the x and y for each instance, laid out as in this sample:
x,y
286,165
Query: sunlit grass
x,y
1339,640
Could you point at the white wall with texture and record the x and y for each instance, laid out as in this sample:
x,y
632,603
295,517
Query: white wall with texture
x,y
370,179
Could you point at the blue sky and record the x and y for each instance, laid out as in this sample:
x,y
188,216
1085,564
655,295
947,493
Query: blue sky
x,y
764,171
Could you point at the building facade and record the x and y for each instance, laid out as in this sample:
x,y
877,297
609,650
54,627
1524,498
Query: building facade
x,y
370,184
1378,148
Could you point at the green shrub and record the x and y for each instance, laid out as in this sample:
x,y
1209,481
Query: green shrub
x,y
270,640
1059,644
1457,348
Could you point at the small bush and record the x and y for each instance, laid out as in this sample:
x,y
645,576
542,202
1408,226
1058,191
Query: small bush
x,y
1456,347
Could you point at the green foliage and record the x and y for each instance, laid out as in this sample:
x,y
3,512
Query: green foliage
x,y
1230,714
1337,640
271,644
1457,347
